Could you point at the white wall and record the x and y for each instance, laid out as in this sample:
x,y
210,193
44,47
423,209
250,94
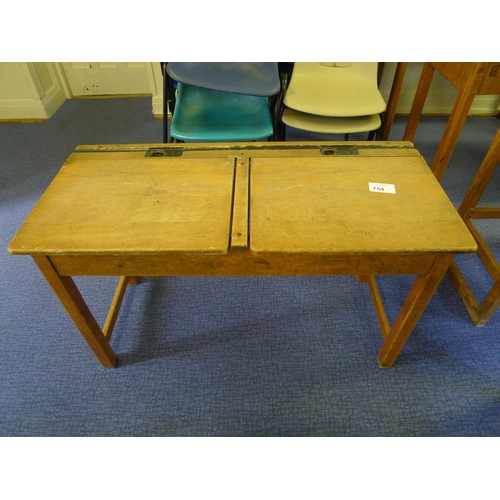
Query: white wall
x,y
30,91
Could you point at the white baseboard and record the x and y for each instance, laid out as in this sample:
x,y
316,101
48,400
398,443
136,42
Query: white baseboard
x,y
22,109
158,106
32,109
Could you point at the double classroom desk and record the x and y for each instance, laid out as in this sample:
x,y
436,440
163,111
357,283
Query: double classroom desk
x,y
251,209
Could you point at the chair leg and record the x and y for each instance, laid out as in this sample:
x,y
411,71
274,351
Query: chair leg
x,y
165,103
277,109
282,132
168,101
371,135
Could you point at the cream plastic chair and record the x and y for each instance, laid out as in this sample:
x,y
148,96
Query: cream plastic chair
x,y
334,98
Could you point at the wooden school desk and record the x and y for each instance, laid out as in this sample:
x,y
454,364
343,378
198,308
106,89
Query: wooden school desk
x,y
251,209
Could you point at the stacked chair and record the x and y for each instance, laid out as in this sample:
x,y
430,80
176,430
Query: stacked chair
x,y
220,102
333,98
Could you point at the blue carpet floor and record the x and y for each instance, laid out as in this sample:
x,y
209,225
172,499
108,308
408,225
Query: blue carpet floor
x,y
235,356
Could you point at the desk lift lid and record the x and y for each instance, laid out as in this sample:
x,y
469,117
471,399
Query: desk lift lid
x,y
102,203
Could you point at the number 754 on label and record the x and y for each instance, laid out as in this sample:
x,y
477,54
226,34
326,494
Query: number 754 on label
x,y
378,187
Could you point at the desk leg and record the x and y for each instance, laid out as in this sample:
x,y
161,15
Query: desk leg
x,y
417,300
70,297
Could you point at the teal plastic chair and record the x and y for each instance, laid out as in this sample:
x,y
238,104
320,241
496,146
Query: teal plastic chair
x,y
220,102
210,115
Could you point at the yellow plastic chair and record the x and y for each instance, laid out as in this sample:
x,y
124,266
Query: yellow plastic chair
x,y
333,98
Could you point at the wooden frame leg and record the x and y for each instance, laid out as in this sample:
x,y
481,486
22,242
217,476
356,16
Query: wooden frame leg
x,y
480,313
419,101
465,292
413,307
452,131
70,297
390,112
483,176
461,108
489,305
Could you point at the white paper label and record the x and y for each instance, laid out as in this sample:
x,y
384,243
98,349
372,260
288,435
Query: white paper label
x,y
377,187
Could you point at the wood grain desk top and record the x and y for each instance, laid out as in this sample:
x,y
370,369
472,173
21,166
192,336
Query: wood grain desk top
x,y
119,201
108,205
325,205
